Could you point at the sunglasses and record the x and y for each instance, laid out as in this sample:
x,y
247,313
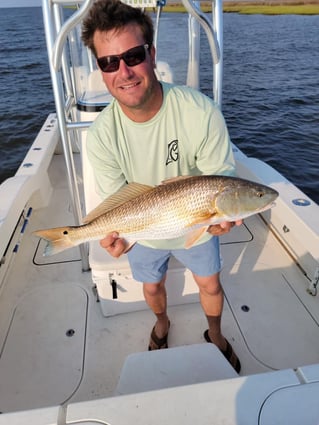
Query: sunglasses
x,y
131,57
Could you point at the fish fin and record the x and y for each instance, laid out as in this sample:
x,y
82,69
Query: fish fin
x,y
175,179
129,246
126,193
203,219
195,236
57,240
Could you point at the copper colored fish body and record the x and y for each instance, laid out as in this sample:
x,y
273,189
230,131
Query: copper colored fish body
x,y
177,207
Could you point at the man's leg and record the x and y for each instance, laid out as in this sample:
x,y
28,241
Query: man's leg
x,y
205,263
150,265
212,301
155,297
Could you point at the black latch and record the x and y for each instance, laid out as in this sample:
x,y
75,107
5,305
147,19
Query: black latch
x,y
114,289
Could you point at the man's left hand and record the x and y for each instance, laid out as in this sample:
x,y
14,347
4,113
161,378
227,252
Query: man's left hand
x,y
224,227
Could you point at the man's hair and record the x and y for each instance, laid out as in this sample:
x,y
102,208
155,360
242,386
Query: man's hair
x,y
106,15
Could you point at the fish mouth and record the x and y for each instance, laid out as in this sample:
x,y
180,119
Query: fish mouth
x,y
267,207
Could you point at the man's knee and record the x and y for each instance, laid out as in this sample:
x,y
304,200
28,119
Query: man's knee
x,y
209,284
153,289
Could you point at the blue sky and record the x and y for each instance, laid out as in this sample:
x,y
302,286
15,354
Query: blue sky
x,y
19,3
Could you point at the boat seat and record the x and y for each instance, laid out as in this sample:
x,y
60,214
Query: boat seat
x,y
172,367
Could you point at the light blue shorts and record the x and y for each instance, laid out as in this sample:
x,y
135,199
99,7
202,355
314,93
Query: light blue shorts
x,y
150,265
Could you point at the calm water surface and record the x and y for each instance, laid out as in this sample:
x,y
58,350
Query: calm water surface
x,y
270,97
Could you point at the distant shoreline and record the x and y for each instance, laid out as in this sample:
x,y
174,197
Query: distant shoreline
x,y
272,7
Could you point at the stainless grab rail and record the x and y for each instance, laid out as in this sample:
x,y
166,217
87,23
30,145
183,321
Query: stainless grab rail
x,y
55,39
65,30
214,32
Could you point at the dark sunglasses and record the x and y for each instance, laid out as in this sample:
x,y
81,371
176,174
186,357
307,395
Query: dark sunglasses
x,y
131,57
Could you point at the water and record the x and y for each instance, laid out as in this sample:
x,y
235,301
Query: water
x,y
270,92
26,93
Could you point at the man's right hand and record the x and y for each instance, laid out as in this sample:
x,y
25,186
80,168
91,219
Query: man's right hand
x,y
114,245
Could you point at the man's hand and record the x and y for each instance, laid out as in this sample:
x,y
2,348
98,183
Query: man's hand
x,y
114,245
224,227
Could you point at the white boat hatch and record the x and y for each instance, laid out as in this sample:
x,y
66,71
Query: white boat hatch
x,y
288,406
43,353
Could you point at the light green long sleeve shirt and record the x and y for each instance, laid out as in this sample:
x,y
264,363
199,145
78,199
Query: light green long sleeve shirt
x,y
188,136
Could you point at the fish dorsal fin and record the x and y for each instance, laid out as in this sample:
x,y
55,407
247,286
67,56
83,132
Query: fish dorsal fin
x,y
175,179
126,193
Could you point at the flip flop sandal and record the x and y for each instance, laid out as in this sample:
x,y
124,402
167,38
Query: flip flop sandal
x,y
229,353
160,343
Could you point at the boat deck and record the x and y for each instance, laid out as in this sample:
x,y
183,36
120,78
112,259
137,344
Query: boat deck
x,y
57,347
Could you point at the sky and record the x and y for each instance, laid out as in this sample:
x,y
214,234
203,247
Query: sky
x,y
19,3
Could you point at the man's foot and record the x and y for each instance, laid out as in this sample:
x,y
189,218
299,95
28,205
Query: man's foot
x,y
229,353
157,343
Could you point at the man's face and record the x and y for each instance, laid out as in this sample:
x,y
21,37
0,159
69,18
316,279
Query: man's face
x,y
135,87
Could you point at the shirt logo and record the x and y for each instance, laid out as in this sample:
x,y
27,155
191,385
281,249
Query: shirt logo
x,y
172,155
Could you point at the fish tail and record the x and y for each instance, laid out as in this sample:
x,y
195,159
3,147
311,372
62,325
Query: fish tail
x,y
58,240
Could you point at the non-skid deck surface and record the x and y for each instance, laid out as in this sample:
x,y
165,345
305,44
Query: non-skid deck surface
x,y
267,296
42,358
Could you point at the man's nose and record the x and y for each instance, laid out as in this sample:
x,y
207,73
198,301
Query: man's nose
x,y
124,69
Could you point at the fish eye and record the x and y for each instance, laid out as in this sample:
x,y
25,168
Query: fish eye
x,y
260,194
65,232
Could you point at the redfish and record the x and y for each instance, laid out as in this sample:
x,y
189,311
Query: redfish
x,y
177,207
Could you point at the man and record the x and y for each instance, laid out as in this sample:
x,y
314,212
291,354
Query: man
x,y
150,132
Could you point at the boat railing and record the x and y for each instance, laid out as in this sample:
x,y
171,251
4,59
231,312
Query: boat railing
x,y
59,30
214,31
30,182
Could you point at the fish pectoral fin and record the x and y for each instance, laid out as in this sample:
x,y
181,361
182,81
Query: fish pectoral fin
x,y
202,219
194,236
126,193
129,246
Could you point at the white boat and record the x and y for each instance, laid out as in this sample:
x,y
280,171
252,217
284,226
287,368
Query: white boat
x,y
74,327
